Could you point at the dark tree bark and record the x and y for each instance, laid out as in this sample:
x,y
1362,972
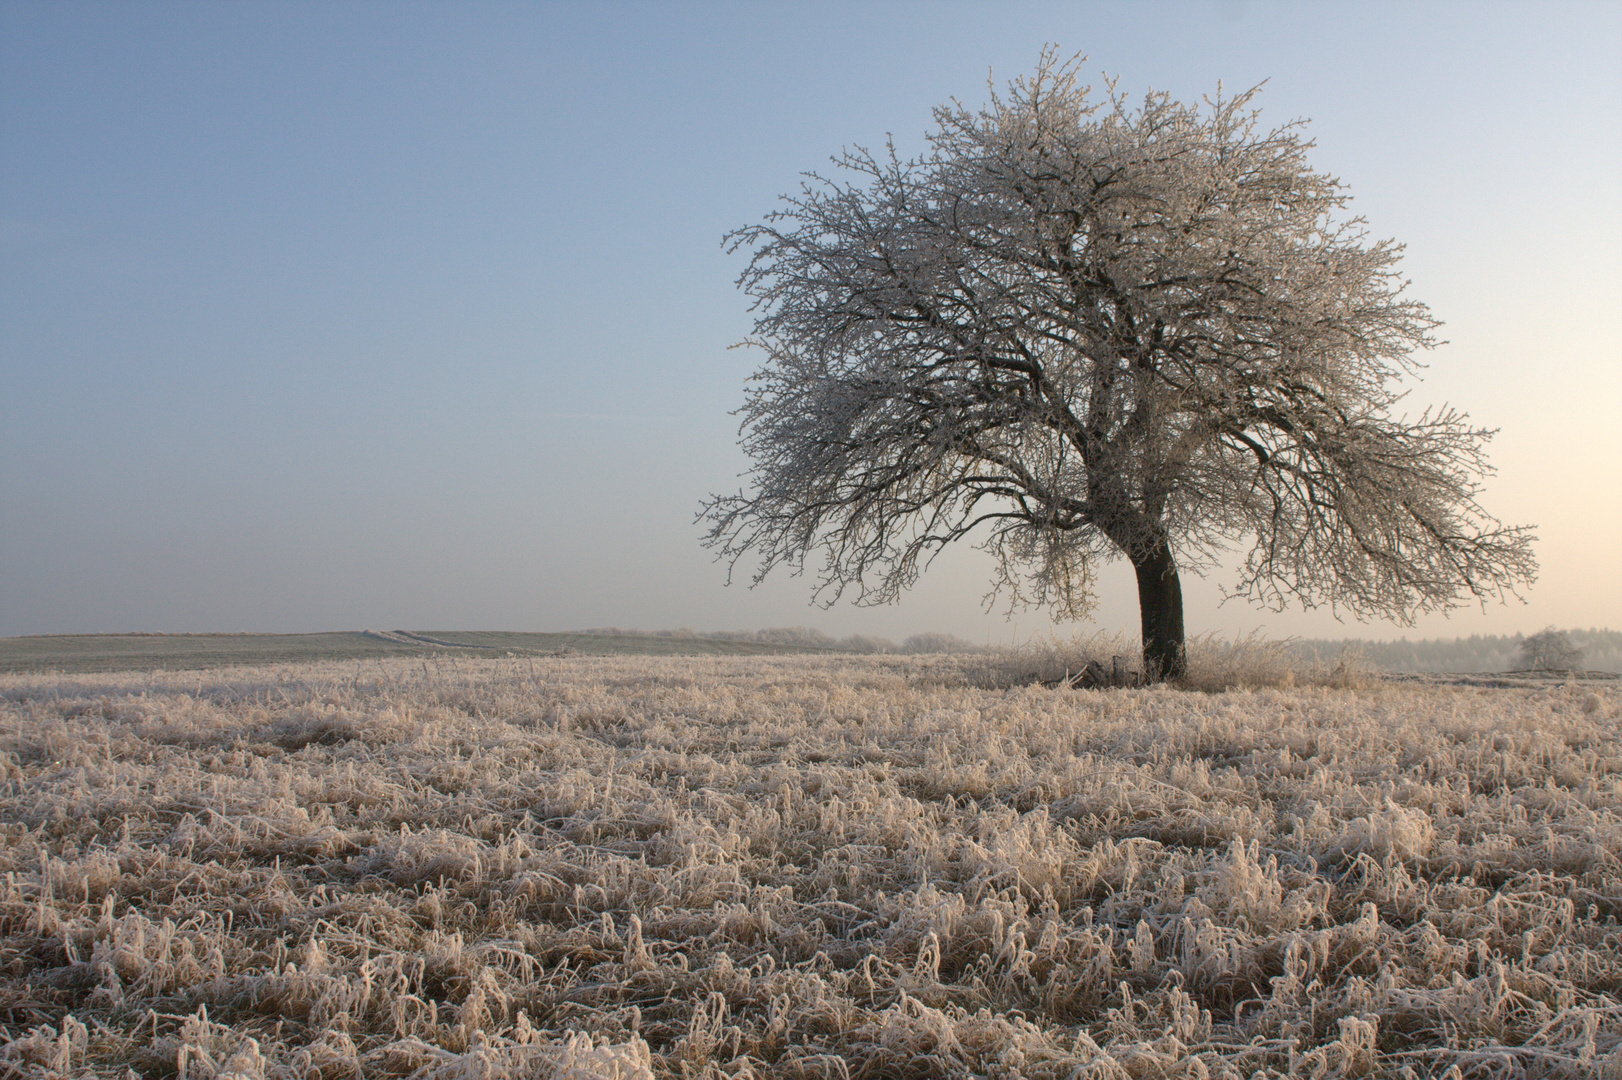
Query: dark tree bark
x,y
1160,604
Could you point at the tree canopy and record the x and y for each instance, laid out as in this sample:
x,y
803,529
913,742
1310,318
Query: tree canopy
x,y
1549,650
1079,328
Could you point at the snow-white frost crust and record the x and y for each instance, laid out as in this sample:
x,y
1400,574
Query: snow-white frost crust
x,y
796,867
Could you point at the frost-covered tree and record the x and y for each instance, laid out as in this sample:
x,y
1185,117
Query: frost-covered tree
x,y
1549,650
1081,329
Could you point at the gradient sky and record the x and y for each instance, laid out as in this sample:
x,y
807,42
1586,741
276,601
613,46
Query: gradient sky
x,y
331,316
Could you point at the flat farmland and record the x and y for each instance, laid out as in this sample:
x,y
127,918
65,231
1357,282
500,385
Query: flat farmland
x,y
70,653
813,866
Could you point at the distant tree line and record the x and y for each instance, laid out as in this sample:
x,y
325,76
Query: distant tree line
x,y
806,637
1601,650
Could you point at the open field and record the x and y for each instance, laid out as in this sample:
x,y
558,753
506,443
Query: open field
x,y
800,867
140,652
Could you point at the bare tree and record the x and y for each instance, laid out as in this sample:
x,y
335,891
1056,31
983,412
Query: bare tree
x,y
1550,650
1077,330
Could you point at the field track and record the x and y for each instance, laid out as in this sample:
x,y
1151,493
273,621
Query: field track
x,y
459,865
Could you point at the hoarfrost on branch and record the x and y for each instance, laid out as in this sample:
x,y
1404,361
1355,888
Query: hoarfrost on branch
x,y
1080,329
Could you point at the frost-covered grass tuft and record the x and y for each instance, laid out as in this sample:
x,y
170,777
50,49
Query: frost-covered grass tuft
x,y
1249,663
794,867
1055,659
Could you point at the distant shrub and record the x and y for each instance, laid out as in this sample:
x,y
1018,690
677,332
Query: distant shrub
x,y
1549,650
938,643
803,636
863,643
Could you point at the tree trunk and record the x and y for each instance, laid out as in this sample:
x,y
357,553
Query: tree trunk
x,y
1160,605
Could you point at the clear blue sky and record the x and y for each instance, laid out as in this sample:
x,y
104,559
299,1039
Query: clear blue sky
x,y
322,316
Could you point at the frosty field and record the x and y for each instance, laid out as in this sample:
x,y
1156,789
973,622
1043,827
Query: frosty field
x,y
801,867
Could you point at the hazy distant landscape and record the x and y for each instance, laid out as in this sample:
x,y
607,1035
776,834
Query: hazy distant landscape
x,y
172,652
1602,649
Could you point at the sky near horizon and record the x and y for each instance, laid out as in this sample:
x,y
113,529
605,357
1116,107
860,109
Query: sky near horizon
x,y
332,316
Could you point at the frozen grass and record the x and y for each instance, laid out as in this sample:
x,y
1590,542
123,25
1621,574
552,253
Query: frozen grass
x,y
1054,659
1214,663
801,867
